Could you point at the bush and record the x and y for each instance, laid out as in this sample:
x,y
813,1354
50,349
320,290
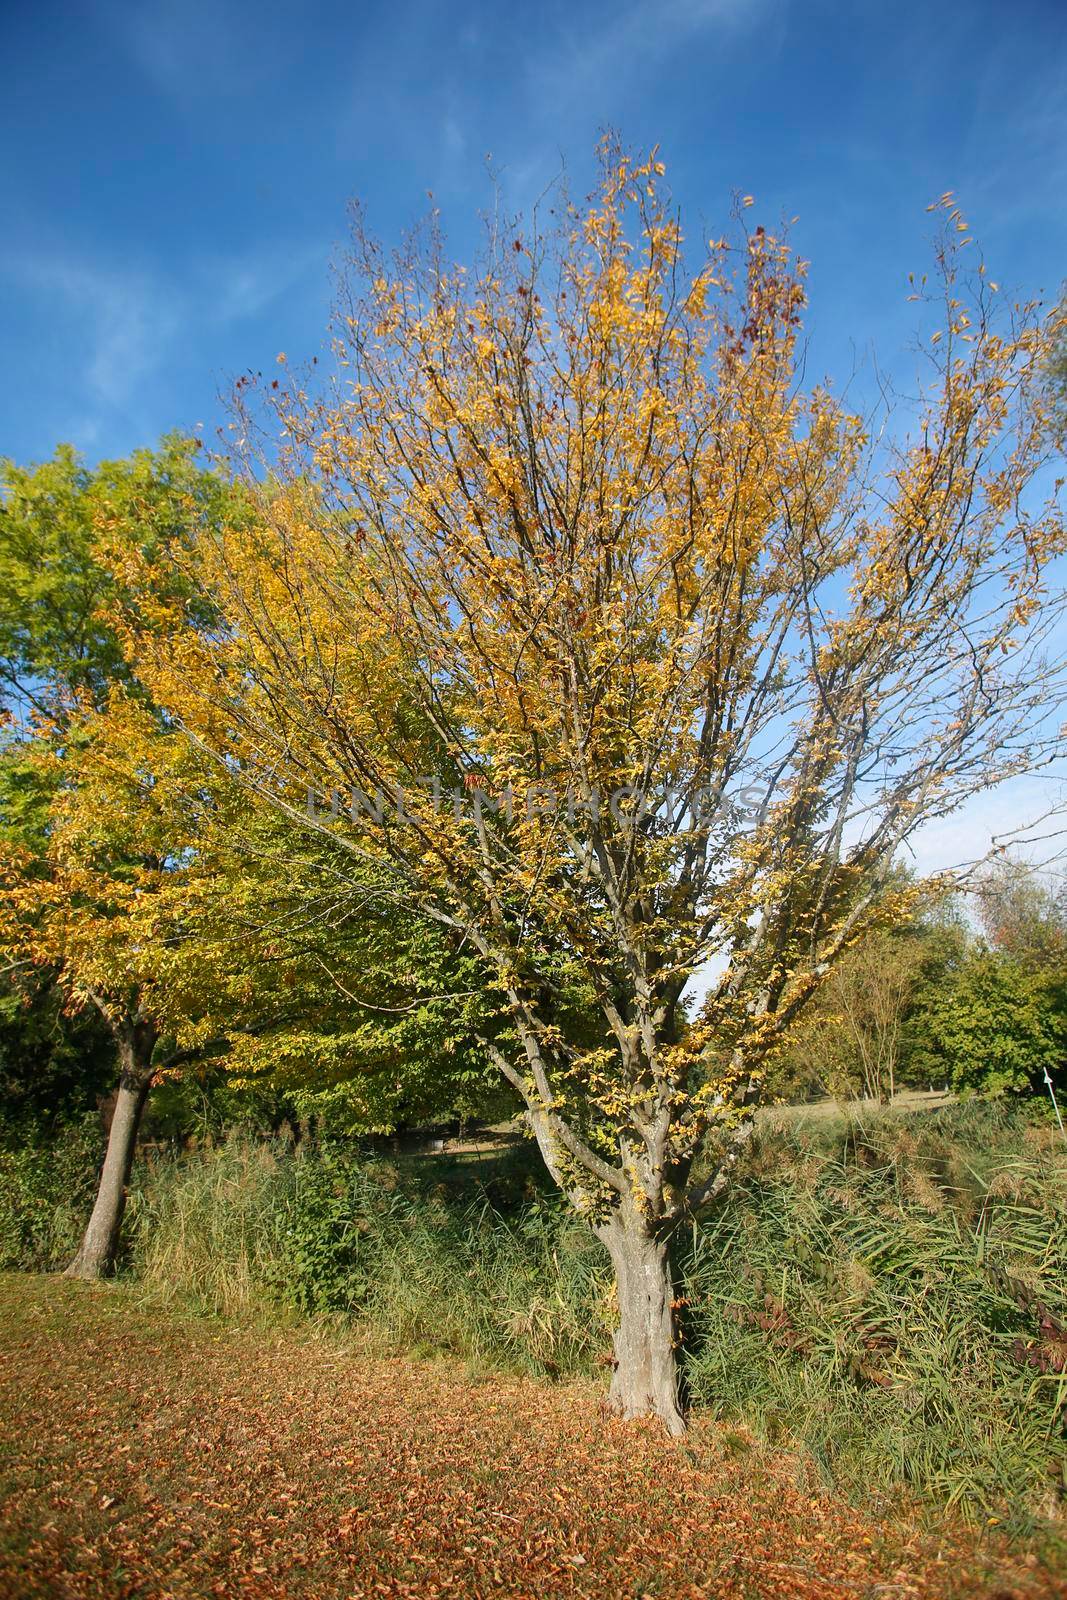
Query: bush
x,y
46,1194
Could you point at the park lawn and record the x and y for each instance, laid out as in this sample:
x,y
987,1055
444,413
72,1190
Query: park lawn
x,y
154,1453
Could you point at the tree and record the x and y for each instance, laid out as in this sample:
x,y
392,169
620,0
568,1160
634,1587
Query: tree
x,y
853,1037
618,653
58,650
992,1027
1023,915
71,904
857,1035
199,934
314,983
1003,1024
100,908
52,1066
190,929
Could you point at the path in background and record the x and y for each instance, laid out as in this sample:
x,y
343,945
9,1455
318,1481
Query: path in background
x,y
497,1136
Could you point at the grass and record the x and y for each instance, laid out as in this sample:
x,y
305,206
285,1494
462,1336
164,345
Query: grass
x,y
891,1296
145,1451
498,1275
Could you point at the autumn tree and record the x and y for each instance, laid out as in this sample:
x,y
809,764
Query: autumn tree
x,y
100,909
855,1038
134,885
1023,913
83,852
620,652
52,1065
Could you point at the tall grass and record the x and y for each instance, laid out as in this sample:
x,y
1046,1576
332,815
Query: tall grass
x,y
328,1231
208,1227
891,1296
885,1293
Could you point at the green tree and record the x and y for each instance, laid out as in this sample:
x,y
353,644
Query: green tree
x,y
58,646
314,980
992,1027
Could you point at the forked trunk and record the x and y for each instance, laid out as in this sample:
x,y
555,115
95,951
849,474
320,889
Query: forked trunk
x,y
645,1380
100,1242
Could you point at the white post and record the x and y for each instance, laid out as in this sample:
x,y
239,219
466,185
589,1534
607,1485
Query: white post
x,y
1055,1107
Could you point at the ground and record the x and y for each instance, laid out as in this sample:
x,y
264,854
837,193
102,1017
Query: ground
x,y
489,1139
154,1454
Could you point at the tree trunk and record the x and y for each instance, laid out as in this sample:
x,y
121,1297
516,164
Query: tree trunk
x,y
645,1380
100,1242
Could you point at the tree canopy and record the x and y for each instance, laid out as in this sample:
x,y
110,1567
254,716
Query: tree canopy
x,y
568,612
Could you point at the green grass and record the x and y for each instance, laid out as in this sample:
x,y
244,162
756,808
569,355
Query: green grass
x,y
890,1296
501,1277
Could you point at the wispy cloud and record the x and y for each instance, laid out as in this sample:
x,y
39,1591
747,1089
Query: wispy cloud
x,y
234,287
640,35
122,322
190,49
121,325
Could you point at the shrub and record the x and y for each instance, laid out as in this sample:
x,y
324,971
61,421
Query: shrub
x,y
46,1193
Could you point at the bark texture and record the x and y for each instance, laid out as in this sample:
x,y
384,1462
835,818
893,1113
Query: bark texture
x,y
645,1380
100,1242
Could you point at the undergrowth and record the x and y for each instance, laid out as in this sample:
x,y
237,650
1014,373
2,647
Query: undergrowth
x,y
884,1292
892,1296
46,1194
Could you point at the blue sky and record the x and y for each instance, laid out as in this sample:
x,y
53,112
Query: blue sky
x,y
175,173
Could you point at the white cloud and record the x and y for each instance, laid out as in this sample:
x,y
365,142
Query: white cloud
x,y
638,36
189,49
121,325
124,321
234,287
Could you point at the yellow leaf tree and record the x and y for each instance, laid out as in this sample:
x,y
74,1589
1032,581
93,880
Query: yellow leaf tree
x,y
102,908
89,836
626,656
